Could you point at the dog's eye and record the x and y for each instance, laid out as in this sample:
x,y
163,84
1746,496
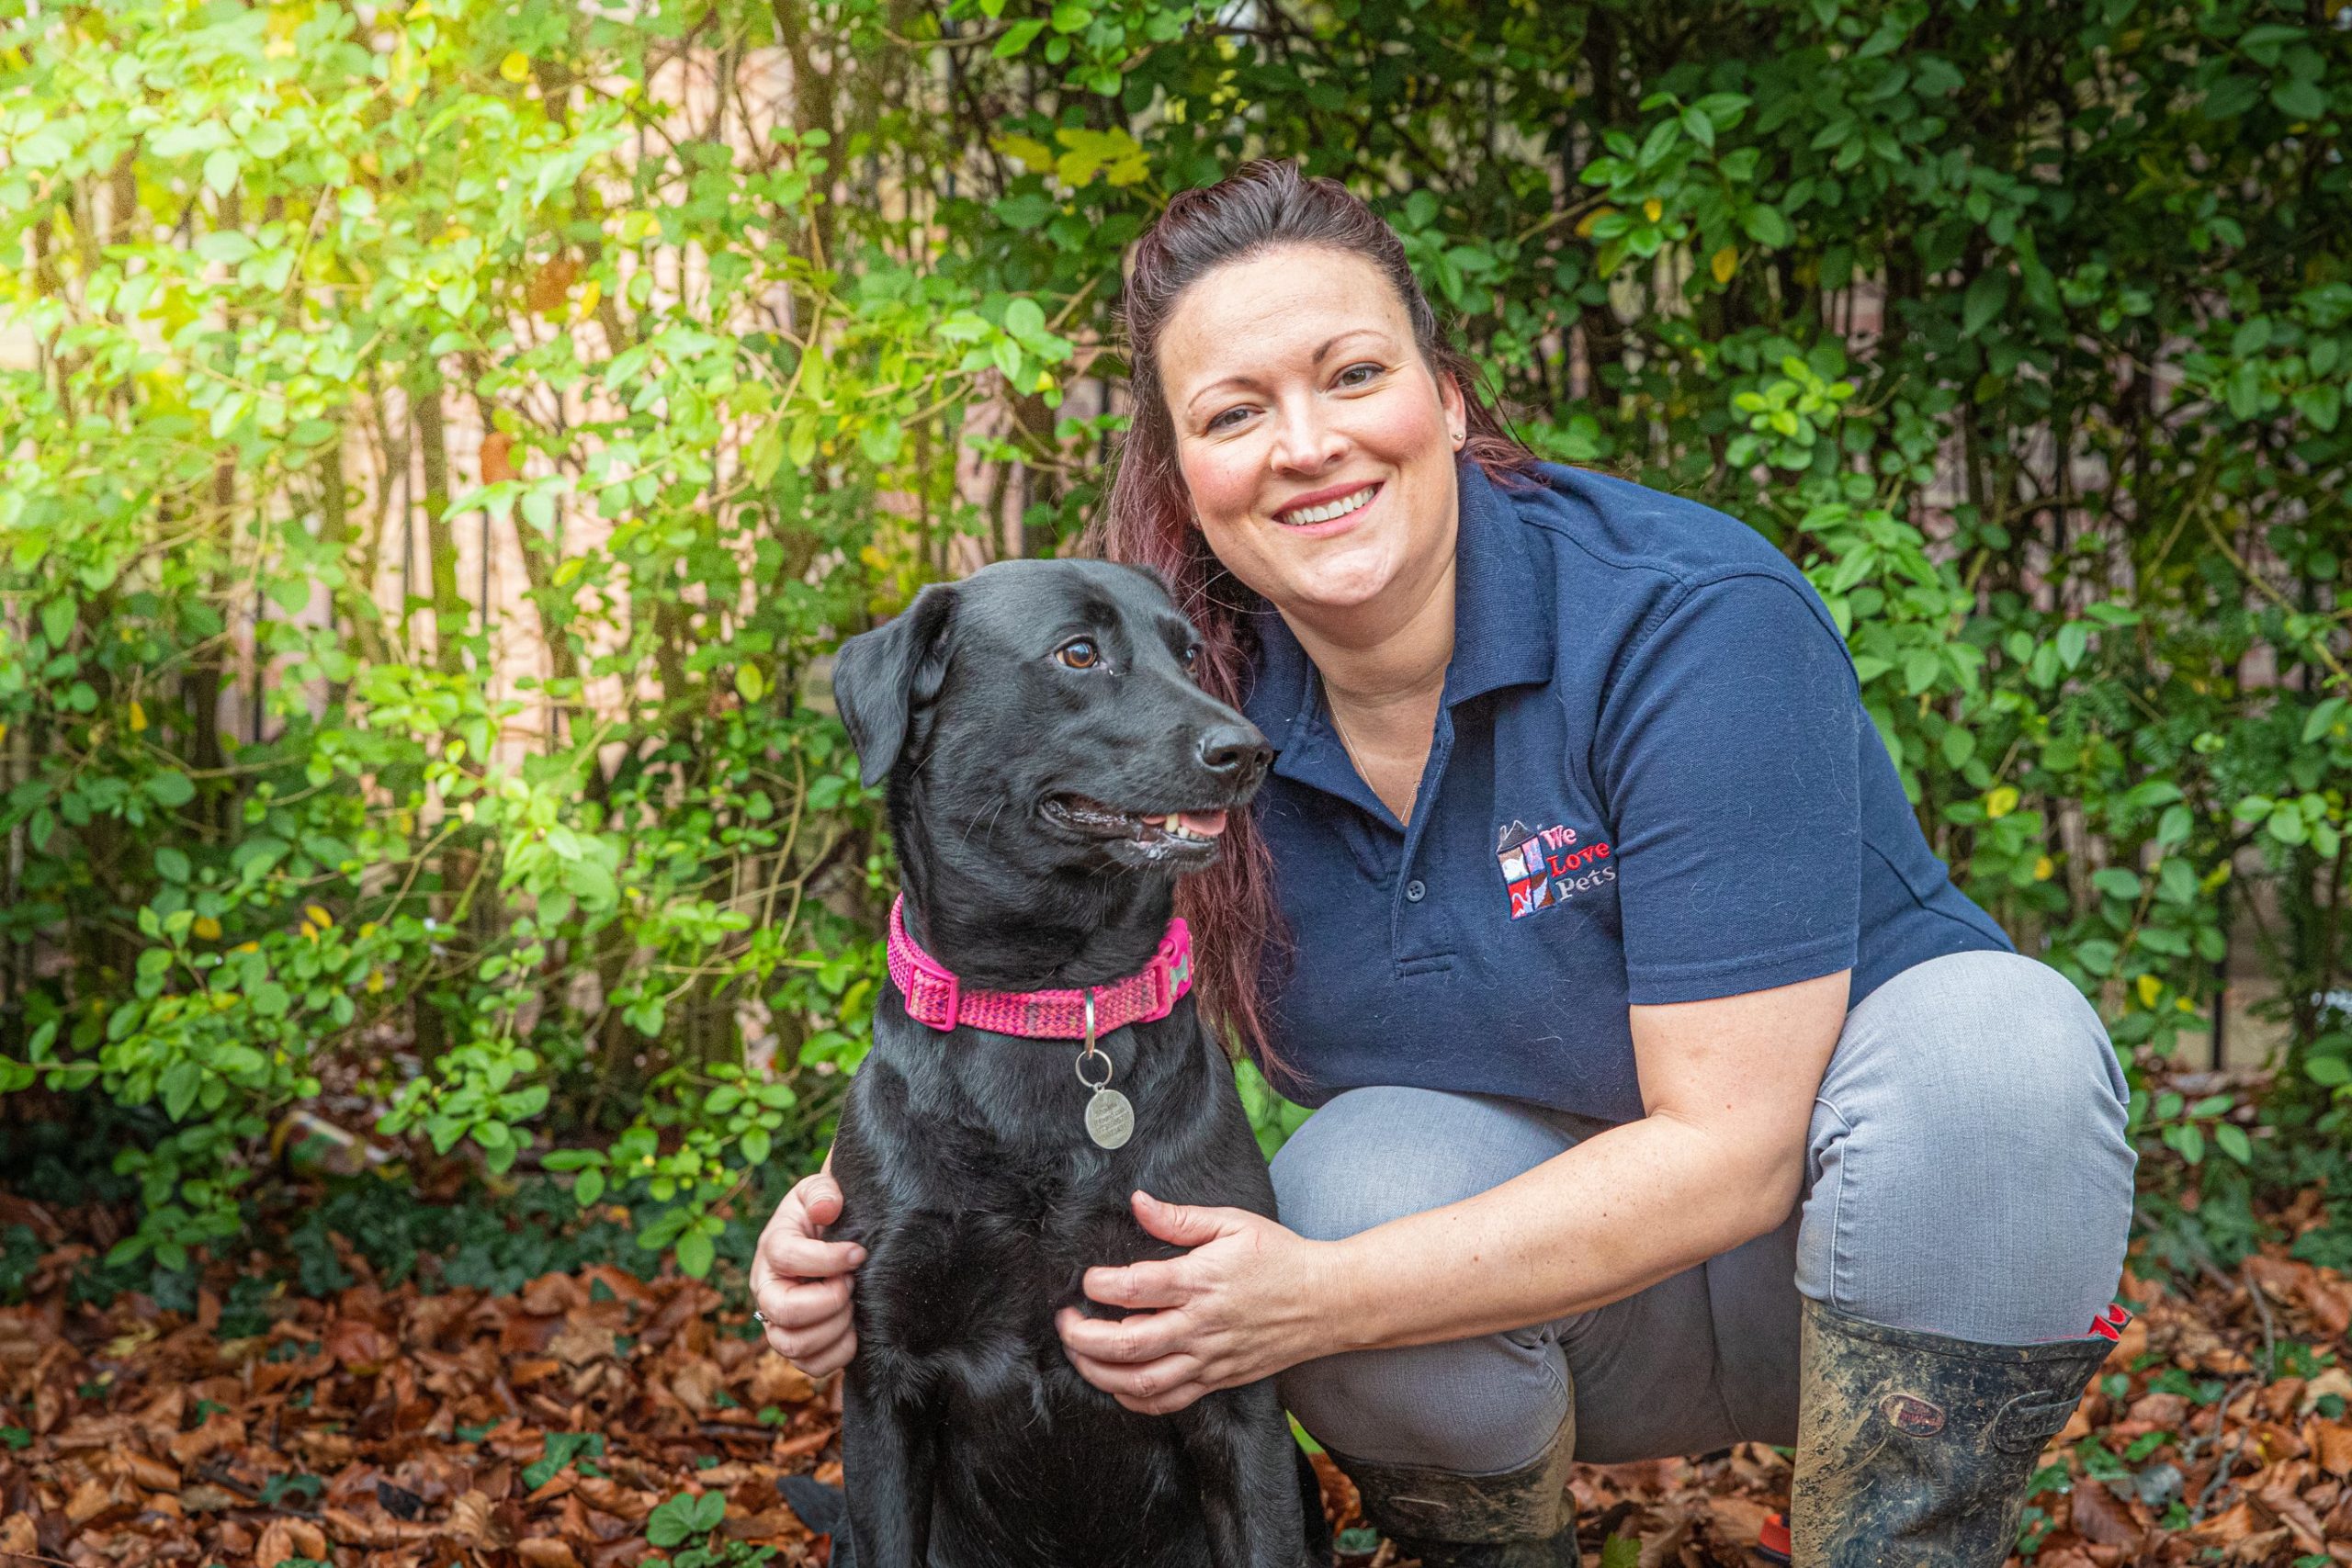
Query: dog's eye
x,y
1078,654
1192,657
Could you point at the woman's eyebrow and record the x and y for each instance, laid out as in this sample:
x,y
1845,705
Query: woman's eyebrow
x,y
1331,343
1242,378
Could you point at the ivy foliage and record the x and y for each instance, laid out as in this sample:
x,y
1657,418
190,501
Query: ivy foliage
x,y
717,329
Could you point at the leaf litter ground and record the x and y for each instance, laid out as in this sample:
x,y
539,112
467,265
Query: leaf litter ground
x,y
595,1419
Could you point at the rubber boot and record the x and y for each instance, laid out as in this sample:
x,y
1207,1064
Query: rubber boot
x,y
1520,1518
1913,1450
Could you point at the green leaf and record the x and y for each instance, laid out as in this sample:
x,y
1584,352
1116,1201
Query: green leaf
x,y
2231,96
1024,319
1621,1552
695,1254
2231,1139
170,789
1987,297
1017,38
1766,226
2300,99
227,246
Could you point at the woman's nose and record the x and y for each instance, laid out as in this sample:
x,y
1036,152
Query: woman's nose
x,y
1305,443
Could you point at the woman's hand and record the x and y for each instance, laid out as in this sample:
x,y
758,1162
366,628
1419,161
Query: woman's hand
x,y
801,1284
1243,1304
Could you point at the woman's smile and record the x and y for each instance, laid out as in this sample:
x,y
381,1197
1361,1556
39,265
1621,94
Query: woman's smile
x,y
1332,510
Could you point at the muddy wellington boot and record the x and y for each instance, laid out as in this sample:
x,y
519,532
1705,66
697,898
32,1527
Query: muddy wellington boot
x,y
1521,1518
1914,1450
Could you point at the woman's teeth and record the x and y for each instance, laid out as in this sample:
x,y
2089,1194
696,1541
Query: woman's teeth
x,y
1331,509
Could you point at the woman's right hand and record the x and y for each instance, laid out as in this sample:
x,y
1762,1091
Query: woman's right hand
x,y
802,1284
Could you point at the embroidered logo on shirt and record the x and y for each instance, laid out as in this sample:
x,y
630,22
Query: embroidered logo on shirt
x,y
1548,865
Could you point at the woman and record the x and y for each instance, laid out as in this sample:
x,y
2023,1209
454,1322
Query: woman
x,y
1667,1093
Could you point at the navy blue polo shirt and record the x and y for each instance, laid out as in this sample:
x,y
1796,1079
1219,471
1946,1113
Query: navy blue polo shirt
x,y
1651,780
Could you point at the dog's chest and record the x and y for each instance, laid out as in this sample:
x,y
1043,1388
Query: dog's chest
x,y
973,1269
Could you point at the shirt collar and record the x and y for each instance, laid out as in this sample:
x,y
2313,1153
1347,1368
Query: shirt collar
x,y
1503,632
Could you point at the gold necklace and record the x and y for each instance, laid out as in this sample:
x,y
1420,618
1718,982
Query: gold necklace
x,y
1357,762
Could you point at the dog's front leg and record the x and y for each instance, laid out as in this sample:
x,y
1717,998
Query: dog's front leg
x,y
889,1454
1240,1448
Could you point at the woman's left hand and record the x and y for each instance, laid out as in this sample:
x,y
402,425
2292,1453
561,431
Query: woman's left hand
x,y
1240,1306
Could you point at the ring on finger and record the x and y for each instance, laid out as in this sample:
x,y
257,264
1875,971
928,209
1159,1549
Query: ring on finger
x,y
759,1317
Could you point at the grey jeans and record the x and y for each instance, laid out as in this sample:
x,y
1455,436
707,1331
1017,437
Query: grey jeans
x,y
1967,1174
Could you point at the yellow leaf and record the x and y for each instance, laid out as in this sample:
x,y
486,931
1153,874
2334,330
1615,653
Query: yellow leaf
x,y
2184,1004
1652,209
207,927
2001,802
137,716
246,947
2044,868
1027,151
375,981
3,732
1583,224
1725,263
2150,989
515,67
319,917
590,292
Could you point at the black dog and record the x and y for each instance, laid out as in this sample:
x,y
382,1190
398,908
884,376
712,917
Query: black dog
x,y
1053,769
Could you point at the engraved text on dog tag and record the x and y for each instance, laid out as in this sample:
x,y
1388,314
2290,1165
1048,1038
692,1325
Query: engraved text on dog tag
x,y
1110,1119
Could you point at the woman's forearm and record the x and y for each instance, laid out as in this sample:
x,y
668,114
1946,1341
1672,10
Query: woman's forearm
x,y
1616,1214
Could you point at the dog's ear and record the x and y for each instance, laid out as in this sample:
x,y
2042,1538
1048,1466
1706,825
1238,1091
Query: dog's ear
x,y
881,676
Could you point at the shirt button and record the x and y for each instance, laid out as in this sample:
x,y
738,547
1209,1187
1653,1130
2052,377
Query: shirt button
x,y
1415,892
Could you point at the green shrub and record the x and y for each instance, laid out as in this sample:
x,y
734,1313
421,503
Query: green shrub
x,y
2025,328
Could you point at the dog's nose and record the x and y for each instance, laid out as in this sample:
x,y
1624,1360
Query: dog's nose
x,y
1235,750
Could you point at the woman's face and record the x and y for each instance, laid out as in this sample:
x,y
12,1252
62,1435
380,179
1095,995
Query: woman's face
x,y
1317,445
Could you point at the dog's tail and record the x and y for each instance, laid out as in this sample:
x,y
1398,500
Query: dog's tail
x,y
823,1510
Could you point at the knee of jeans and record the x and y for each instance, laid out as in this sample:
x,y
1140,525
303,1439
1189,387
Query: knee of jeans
x,y
1472,1407
2003,1047
1375,1155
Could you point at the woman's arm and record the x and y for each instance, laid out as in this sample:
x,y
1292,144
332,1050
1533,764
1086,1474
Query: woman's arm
x,y
1719,1159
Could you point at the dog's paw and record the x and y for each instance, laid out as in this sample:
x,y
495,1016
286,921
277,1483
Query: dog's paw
x,y
820,1508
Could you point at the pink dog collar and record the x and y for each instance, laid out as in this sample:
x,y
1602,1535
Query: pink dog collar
x,y
936,998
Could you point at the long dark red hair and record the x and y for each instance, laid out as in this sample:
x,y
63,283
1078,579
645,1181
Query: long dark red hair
x,y
1146,518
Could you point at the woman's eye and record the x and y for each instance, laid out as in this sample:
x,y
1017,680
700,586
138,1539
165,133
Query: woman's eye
x,y
1078,654
1369,369
1225,420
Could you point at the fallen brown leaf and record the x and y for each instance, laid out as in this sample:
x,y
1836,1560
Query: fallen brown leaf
x,y
2331,1441
283,1537
2099,1518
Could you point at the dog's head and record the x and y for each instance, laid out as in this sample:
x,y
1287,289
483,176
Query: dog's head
x,y
1044,713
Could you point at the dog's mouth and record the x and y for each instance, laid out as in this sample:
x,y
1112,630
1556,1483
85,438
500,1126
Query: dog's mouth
x,y
1157,836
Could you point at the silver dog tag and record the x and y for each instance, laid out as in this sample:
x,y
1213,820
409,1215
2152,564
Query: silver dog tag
x,y
1110,1119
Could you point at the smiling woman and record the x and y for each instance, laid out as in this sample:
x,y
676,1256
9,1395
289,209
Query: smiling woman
x,y
1629,1140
